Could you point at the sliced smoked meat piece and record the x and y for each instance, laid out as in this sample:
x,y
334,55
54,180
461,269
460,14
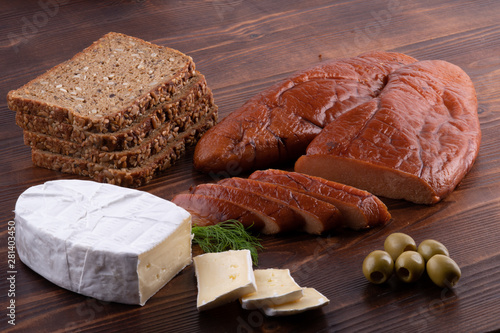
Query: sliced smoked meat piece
x,y
318,216
285,219
359,209
276,125
207,210
415,141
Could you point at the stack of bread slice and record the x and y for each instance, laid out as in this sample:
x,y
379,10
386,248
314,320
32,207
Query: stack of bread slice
x,y
120,111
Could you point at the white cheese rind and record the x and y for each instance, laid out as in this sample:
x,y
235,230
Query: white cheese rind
x,y
311,299
274,287
223,277
97,239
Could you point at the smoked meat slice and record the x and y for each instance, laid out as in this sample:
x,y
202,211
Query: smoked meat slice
x,y
277,125
415,141
359,209
283,217
207,210
318,216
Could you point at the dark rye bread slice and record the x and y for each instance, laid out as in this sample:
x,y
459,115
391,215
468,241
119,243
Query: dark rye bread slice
x,y
127,177
107,86
126,137
133,157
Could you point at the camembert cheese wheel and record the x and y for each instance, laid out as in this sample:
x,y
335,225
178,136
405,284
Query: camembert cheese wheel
x,y
100,240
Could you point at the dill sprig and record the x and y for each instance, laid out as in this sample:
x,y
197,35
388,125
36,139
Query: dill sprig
x,y
224,236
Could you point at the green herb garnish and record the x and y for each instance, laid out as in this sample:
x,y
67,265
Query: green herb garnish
x,y
224,236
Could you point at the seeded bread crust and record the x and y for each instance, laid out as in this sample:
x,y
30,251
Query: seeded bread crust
x,y
127,177
63,94
159,139
127,138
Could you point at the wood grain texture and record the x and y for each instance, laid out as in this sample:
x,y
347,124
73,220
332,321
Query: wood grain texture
x,y
243,47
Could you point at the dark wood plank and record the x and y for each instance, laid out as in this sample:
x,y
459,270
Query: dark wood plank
x,y
243,47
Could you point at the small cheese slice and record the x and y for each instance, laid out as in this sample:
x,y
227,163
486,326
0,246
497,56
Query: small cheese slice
x,y
223,277
311,299
274,287
100,240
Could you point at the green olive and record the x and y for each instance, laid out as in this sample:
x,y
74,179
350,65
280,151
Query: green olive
x,y
378,266
397,243
443,270
410,266
430,247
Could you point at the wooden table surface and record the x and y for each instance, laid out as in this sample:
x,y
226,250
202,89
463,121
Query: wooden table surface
x,y
243,47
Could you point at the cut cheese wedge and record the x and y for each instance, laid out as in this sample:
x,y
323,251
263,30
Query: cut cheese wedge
x,y
100,240
311,299
274,287
223,277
